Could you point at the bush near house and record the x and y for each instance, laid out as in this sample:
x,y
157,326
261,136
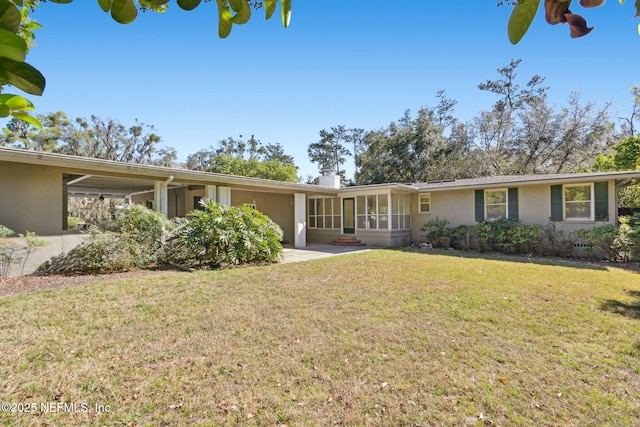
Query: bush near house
x,y
134,240
506,235
217,237
509,236
221,236
620,244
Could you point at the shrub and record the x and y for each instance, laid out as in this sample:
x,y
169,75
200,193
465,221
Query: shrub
x,y
136,241
436,231
463,237
552,242
627,240
224,235
16,251
598,241
510,236
73,222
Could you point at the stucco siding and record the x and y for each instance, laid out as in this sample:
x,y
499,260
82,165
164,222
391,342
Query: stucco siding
x,y
534,204
278,207
31,198
456,206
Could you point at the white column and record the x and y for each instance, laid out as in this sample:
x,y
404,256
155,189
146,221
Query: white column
x,y
224,196
157,196
300,220
161,197
210,192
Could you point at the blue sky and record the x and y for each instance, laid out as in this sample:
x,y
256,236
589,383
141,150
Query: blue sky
x,y
359,64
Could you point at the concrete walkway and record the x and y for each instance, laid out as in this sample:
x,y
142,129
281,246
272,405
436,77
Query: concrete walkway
x,y
318,250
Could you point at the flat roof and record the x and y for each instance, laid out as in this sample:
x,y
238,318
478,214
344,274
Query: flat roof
x,y
94,172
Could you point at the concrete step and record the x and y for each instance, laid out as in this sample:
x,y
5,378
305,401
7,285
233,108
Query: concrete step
x,y
347,241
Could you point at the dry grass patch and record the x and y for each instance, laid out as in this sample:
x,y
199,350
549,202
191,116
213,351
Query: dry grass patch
x,y
376,338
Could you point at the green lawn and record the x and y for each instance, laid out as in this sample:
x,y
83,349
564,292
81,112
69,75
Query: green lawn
x,y
376,338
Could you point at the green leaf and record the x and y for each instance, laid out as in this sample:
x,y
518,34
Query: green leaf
x,y
286,12
4,110
12,46
159,6
521,19
105,5
224,19
270,7
188,4
124,11
17,2
243,15
9,16
21,75
637,4
61,1
236,5
29,119
15,102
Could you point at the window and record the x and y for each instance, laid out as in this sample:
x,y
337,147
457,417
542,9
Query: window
x,y
577,202
372,212
424,203
324,213
400,216
197,206
495,202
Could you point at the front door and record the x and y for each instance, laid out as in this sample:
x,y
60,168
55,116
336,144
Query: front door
x,y
349,216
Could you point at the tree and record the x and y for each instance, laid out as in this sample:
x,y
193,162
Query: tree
x,y
523,134
251,158
411,150
628,123
97,138
624,156
330,153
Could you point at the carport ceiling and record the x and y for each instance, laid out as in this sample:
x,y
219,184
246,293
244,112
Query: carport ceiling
x,y
95,186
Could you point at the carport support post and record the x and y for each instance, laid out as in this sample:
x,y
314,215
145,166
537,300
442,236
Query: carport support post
x,y
161,195
300,218
210,193
224,196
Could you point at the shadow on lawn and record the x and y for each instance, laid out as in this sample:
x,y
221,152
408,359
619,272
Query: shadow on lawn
x,y
561,262
626,309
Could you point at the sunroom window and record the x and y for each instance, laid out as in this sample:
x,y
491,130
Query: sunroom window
x,y
324,213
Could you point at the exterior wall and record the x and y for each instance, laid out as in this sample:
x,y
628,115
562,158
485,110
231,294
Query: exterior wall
x,y
379,238
383,238
534,207
317,235
31,198
278,207
455,206
143,198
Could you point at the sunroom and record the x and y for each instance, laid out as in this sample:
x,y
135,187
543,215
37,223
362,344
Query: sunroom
x,y
374,215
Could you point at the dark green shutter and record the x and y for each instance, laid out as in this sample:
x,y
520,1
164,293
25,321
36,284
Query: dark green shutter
x,y
512,196
556,203
479,205
601,190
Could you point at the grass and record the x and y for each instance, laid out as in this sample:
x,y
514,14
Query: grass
x,y
376,338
